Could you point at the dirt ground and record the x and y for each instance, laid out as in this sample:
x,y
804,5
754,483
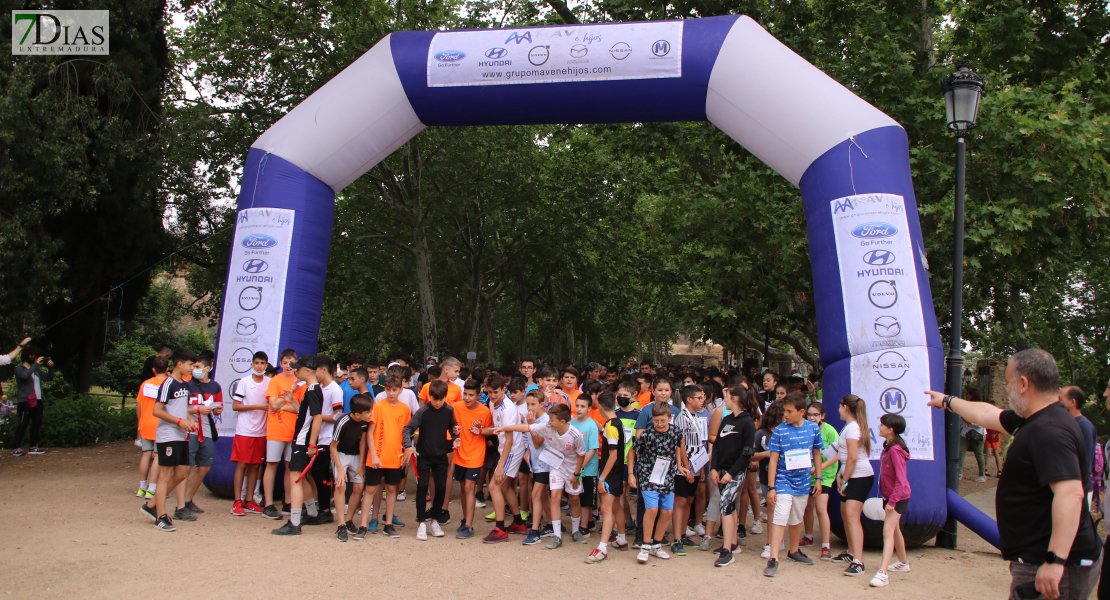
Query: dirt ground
x,y
70,528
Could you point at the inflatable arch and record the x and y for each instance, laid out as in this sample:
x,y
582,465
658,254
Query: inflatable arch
x,y
878,332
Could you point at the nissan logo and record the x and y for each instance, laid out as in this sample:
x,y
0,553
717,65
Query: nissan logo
x,y
879,257
257,265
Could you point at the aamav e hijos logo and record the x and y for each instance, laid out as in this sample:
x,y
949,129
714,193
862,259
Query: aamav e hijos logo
x,y
59,32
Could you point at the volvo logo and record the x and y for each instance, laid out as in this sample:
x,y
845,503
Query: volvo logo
x,y
882,294
874,230
539,55
255,265
578,51
892,400
887,327
879,257
661,48
496,53
246,326
891,366
250,297
258,240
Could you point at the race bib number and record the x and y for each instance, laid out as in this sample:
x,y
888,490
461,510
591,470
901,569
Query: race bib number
x,y
551,458
659,471
699,459
798,459
150,390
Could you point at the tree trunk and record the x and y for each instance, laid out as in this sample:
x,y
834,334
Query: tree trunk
x,y
522,315
557,341
477,308
427,297
491,340
572,354
585,348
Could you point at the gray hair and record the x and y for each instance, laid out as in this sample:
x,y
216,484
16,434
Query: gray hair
x,y
1039,367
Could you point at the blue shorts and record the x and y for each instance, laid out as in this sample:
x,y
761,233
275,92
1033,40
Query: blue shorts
x,y
657,500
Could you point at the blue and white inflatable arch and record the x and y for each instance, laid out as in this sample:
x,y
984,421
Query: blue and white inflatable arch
x,y
878,332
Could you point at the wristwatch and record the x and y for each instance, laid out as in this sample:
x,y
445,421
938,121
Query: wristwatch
x,y
1050,558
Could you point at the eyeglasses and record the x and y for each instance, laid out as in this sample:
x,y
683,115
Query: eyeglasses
x,y
813,415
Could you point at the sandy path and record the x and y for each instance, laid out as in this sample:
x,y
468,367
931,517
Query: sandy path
x,y
70,528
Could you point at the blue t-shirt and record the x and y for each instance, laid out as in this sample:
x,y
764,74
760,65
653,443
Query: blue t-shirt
x,y
643,421
786,438
531,386
590,437
348,393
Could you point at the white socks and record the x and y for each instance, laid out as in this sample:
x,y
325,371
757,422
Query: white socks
x,y
152,488
574,524
558,527
310,507
621,540
142,484
295,517
604,547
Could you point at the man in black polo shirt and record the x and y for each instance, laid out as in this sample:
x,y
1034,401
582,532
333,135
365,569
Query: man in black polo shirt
x,y
1044,521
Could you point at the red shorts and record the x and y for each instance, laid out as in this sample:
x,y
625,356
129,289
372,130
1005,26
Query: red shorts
x,y
248,450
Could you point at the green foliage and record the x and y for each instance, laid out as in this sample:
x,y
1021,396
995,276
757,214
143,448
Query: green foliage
x,y
71,419
122,366
196,340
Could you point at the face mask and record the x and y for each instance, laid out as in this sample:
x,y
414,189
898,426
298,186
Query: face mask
x,y
260,373
198,373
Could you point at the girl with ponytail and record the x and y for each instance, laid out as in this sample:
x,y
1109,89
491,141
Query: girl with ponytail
x,y
855,479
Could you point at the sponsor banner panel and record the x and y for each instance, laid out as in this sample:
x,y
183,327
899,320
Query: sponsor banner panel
x,y
254,298
895,381
604,52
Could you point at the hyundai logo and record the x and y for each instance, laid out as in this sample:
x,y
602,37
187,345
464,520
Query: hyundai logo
x,y
258,240
246,326
518,38
892,400
882,294
578,51
879,257
496,53
661,48
887,327
450,55
250,297
874,230
891,366
255,265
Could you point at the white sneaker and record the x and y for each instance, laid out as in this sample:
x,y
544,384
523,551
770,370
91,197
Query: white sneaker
x,y
259,499
422,532
436,531
642,557
880,579
658,551
400,496
690,531
766,552
750,514
479,504
700,529
898,567
757,527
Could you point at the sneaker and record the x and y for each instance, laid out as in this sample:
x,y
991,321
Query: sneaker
x,y
148,494
317,520
400,496
638,542
465,532
164,524
479,504
351,527
520,528
619,546
826,554
341,533
898,567
843,557
396,522
855,569
480,497
252,507
547,531
678,549
766,551
629,527
699,529
183,514
237,509
977,480
271,513
690,532
596,556
644,554
686,541
524,516
724,560
554,543
288,529
444,518
390,531
193,508
490,517
532,539
285,508
422,532
805,542
800,557
757,527
658,552
258,498
578,537
373,528
325,517
19,452
495,536
140,493
437,531
360,534
772,568
36,450
148,511
880,579
706,543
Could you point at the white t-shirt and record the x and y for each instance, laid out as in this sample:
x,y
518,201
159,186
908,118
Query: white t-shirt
x,y
863,466
407,397
570,446
251,423
503,415
333,403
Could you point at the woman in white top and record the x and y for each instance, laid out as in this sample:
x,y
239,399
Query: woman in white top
x,y
855,479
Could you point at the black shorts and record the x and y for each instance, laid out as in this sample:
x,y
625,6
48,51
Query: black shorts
x,y
299,458
900,507
857,488
467,474
826,490
683,488
616,486
492,456
376,476
589,491
541,478
524,468
173,454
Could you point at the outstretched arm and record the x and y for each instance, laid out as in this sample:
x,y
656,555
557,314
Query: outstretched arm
x,y
979,413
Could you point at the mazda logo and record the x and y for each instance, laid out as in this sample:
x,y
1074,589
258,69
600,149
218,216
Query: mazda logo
x,y
257,265
879,257
246,326
887,327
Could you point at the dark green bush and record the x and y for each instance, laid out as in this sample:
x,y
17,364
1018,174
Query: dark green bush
x,y
76,420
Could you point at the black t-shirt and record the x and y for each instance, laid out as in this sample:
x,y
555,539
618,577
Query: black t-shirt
x,y
348,434
613,436
761,438
1047,447
311,405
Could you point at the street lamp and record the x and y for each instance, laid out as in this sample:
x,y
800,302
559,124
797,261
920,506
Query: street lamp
x,y
962,91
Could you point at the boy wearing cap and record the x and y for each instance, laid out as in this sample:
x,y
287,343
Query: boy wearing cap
x,y
305,433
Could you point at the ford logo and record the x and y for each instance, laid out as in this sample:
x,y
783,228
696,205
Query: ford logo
x,y
450,56
255,265
879,257
257,240
875,230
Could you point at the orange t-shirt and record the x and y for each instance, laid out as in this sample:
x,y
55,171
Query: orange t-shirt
x,y
148,423
644,399
471,452
279,425
572,396
388,422
454,394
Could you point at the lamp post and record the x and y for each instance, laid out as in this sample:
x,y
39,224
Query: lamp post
x,y
962,91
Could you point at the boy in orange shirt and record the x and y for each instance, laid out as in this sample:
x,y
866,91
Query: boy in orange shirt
x,y
568,381
148,425
469,450
549,385
283,393
385,449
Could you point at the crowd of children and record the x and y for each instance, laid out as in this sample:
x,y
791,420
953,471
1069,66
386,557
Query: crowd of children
x,y
697,455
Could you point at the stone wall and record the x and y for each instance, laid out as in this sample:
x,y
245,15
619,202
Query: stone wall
x,y
991,381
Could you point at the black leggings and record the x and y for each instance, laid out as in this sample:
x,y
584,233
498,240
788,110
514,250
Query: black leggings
x,y
33,416
322,476
436,466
